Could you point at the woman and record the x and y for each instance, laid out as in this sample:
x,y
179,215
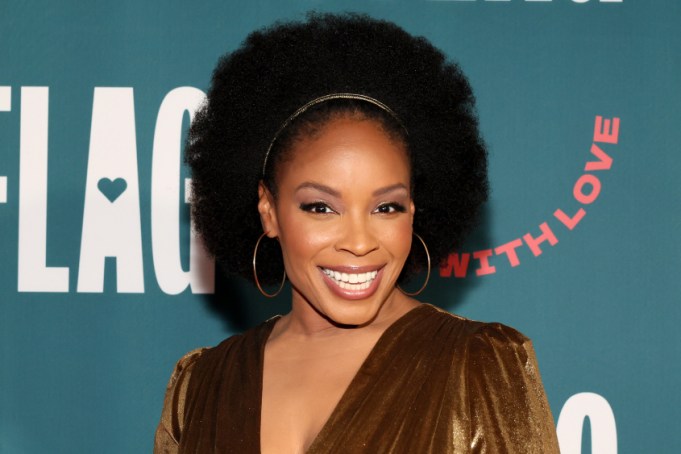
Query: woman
x,y
342,154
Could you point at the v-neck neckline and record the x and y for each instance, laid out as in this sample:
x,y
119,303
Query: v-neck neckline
x,y
344,401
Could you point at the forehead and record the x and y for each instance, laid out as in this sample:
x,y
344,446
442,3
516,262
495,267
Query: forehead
x,y
347,151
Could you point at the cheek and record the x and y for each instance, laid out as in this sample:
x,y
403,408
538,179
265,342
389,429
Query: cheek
x,y
397,238
302,238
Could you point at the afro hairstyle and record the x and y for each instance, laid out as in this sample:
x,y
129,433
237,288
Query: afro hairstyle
x,y
278,69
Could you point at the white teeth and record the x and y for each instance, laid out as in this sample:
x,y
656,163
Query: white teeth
x,y
347,286
352,281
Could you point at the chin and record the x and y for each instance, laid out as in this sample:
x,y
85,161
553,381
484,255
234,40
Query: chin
x,y
360,313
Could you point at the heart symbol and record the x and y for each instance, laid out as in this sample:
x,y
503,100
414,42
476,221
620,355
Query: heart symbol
x,y
112,189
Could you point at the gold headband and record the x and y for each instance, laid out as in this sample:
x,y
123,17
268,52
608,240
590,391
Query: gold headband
x,y
324,98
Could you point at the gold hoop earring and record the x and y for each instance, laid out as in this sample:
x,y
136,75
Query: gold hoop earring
x,y
255,273
423,287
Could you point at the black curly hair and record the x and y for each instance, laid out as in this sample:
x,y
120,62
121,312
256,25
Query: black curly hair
x,y
256,88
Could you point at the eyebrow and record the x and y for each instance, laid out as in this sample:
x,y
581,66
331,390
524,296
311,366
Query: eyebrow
x,y
390,188
334,193
319,187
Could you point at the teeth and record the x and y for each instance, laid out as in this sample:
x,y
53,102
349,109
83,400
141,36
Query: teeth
x,y
352,281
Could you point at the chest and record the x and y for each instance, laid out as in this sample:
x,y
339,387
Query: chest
x,y
300,394
404,395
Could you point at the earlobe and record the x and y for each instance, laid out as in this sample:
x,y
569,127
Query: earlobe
x,y
268,215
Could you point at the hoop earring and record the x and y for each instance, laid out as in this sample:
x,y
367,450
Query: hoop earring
x,y
423,287
255,273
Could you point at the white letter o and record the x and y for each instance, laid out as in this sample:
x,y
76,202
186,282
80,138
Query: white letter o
x,y
601,417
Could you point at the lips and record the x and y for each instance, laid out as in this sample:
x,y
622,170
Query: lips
x,y
352,283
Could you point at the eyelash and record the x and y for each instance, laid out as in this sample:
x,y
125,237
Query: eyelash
x,y
394,207
317,207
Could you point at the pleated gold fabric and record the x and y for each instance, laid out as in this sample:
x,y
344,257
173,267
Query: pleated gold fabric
x,y
433,383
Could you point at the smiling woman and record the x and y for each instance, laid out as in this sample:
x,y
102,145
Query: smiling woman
x,y
343,210
328,146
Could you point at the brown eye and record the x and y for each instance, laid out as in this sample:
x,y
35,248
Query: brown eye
x,y
390,208
316,208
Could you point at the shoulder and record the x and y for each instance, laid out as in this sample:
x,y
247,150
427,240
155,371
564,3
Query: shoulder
x,y
506,402
172,422
187,363
184,366
210,359
483,347
476,334
492,338
169,429
239,348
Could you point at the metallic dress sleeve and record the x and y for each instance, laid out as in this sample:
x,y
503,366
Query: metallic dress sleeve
x,y
170,427
508,408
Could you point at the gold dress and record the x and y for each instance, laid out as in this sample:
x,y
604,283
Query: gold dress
x,y
433,383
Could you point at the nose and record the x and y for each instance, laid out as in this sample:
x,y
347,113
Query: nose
x,y
356,236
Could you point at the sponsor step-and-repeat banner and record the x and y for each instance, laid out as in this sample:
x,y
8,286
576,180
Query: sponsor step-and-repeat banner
x,y
103,285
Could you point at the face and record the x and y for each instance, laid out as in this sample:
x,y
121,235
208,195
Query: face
x,y
343,215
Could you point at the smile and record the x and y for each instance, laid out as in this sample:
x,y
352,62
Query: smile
x,y
351,281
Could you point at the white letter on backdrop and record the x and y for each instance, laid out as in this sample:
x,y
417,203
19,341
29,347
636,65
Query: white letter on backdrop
x,y
165,201
601,418
111,218
34,275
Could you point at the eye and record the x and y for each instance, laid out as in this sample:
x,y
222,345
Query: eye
x,y
390,208
316,208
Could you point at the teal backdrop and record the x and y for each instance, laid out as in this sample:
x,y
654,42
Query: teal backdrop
x,y
101,290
